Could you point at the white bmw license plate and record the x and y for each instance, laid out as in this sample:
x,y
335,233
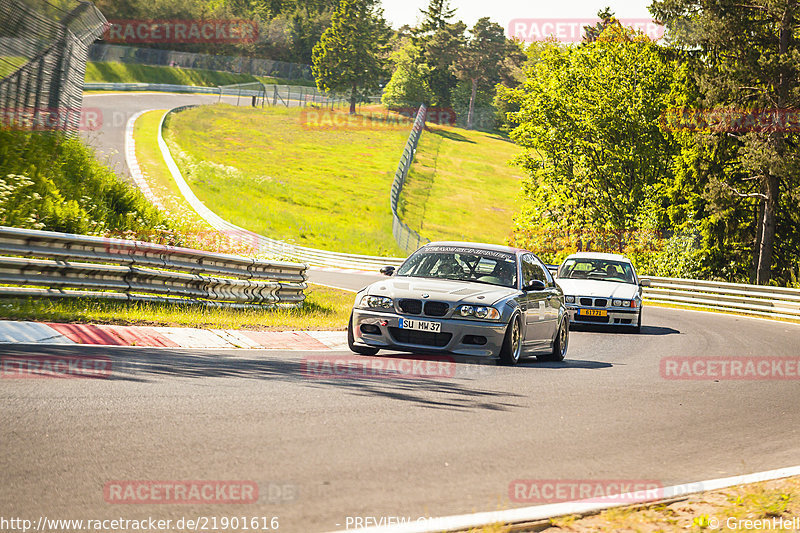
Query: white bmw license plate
x,y
420,325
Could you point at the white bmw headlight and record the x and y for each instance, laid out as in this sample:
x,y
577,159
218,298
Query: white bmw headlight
x,y
376,302
569,299
616,303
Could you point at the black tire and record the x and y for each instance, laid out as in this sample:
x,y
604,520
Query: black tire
x,y
360,350
512,343
638,327
560,344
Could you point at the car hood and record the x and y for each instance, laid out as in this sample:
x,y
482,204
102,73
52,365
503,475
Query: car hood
x,y
607,289
440,290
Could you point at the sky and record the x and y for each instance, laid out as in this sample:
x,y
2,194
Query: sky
x,y
399,12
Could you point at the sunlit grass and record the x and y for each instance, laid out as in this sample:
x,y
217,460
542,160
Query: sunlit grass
x,y
263,170
324,309
461,186
110,72
10,64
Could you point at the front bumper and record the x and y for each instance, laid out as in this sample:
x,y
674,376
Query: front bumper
x,y
614,316
457,336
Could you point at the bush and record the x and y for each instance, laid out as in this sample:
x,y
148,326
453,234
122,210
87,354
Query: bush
x,y
52,182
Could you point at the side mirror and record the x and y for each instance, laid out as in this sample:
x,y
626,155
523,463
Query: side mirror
x,y
535,285
644,282
387,270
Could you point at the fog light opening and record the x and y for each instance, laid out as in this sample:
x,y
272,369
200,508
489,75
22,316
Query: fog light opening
x,y
370,329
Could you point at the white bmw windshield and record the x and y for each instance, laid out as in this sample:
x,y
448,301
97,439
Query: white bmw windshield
x,y
597,269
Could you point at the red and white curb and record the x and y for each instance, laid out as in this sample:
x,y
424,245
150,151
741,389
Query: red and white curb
x,y
581,507
133,163
14,332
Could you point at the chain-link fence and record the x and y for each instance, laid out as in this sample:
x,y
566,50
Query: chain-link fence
x,y
262,94
169,58
407,239
43,50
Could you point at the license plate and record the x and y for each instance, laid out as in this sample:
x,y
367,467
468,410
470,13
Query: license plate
x,y
593,312
420,325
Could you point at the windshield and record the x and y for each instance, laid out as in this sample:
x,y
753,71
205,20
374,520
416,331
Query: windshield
x,y
597,269
462,264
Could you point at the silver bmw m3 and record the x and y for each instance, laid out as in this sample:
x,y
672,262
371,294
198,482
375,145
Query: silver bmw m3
x,y
467,299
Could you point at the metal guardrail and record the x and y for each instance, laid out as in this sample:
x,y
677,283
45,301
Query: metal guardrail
x,y
760,300
407,239
120,269
311,256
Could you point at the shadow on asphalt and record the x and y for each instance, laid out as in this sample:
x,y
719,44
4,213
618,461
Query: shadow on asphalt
x,y
455,386
566,363
646,330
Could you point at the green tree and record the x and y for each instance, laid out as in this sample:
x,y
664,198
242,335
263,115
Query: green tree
x,y
606,16
750,59
483,61
595,154
351,53
440,41
409,83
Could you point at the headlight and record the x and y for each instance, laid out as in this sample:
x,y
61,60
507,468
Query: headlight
x,y
569,299
482,312
617,303
377,302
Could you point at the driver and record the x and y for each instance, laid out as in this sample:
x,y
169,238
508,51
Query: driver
x,y
504,272
449,266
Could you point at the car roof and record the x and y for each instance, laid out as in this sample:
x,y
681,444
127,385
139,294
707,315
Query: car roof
x,y
479,245
599,255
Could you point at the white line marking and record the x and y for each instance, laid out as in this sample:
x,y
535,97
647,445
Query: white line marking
x,y
542,512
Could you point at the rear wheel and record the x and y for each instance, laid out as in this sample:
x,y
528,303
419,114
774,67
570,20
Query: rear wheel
x,y
559,344
512,343
360,350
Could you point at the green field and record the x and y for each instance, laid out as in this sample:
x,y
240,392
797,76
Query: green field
x,y
461,186
133,73
328,188
263,170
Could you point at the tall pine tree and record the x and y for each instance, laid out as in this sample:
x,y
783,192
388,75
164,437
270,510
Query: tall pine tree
x,y
351,54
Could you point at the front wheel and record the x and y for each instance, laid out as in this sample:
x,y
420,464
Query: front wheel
x,y
638,327
559,344
351,342
512,343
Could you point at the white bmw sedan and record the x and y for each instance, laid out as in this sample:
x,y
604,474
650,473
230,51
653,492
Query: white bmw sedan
x,y
602,288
